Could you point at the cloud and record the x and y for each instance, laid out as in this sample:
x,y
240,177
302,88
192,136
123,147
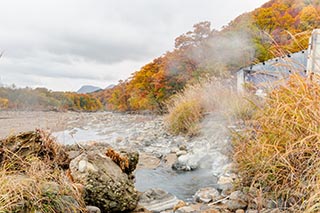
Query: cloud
x,y
96,40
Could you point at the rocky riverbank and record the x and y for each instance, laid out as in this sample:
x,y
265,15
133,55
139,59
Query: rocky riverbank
x,y
174,173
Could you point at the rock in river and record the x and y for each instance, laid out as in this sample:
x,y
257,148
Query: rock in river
x,y
206,195
157,200
106,185
187,162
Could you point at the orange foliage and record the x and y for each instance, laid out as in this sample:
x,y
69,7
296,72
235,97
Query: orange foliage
x,y
278,27
122,162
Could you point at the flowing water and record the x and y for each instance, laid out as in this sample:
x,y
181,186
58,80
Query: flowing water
x,y
182,184
147,135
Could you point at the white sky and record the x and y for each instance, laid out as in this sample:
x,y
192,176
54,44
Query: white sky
x,y
64,44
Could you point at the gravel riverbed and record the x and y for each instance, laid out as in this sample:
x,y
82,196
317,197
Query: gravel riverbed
x,y
198,162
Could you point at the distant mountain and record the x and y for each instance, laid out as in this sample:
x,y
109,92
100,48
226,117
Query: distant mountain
x,y
110,86
88,89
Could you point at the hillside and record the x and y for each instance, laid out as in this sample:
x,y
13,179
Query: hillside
x,y
43,99
276,28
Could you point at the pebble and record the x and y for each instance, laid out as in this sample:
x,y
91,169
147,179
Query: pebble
x,y
93,209
182,152
205,195
157,200
237,200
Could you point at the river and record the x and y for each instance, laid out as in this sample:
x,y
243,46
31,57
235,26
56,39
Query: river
x,y
145,133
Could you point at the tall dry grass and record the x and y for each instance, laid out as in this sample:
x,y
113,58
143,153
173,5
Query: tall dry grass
x,y
186,109
32,178
280,152
39,188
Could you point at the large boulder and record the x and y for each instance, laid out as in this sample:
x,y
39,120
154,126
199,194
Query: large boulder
x,y
106,185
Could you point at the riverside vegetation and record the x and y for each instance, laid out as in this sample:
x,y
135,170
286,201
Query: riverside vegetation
x,y
276,142
277,156
276,153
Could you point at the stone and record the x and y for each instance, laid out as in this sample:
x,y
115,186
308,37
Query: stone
x,y
148,161
252,211
181,152
183,147
187,162
148,142
175,150
179,205
169,159
157,200
240,211
106,186
225,180
206,195
119,139
93,209
210,211
186,209
237,200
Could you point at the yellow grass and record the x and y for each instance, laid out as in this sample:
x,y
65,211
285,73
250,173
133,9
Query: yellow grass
x,y
280,152
186,109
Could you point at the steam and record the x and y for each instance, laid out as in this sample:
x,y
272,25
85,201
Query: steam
x,y
219,54
225,51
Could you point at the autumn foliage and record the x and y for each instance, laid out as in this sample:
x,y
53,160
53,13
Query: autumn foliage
x,y
44,99
277,28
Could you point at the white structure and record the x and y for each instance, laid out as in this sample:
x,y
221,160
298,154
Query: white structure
x,y
313,64
306,63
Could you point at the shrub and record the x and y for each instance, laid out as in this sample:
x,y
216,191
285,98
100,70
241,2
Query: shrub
x,y
280,152
186,109
185,117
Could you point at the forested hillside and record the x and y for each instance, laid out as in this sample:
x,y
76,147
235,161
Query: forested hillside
x,y
43,99
278,27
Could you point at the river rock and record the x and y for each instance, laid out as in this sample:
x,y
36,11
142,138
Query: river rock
x,y
181,152
157,200
186,162
106,185
183,147
93,209
206,195
237,200
225,184
186,209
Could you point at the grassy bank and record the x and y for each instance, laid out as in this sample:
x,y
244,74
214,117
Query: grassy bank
x,y
279,153
187,109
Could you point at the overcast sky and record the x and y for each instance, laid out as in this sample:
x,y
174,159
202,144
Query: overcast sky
x,y
64,44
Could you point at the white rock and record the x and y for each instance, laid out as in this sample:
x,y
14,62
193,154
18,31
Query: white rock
x,y
157,200
205,195
82,166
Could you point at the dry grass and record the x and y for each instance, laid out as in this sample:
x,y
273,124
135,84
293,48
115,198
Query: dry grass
x,y
31,176
185,111
187,108
280,153
38,189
